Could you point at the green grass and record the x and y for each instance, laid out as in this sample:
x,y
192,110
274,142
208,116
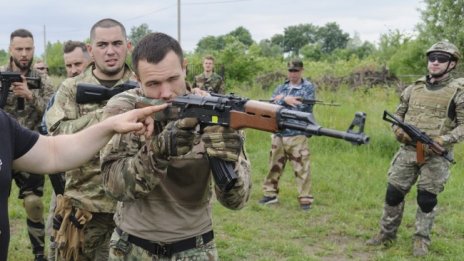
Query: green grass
x,y
348,185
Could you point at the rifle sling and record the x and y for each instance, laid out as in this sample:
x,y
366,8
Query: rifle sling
x,y
420,153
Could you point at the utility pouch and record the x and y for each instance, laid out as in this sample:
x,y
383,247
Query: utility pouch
x,y
120,245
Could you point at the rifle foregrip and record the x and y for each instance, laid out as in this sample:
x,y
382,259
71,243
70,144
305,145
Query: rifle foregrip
x,y
223,173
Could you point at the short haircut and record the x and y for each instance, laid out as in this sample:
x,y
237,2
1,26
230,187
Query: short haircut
x,y
23,33
153,48
208,57
106,23
70,46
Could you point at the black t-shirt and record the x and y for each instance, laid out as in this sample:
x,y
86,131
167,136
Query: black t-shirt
x,y
15,141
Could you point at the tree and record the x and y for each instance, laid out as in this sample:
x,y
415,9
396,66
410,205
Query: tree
x,y
243,35
442,20
278,39
55,59
298,36
312,52
3,57
138,32
331,37
268,49
210,43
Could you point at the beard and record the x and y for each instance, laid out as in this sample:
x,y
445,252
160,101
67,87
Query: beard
x,y
21,66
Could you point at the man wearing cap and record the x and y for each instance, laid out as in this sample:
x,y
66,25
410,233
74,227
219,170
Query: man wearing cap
x,y
289,144
434,104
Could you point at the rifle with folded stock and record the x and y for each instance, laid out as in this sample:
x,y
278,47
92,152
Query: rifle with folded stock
x,y
93,93
238,113
419,137
7,78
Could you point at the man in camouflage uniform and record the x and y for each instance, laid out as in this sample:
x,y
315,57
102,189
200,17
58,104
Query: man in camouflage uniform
x,y
30,185
108,47
291,144
163,182
41,67
76,58
434,104
209,80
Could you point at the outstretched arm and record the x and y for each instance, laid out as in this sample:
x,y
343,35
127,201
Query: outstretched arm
x,y
53,154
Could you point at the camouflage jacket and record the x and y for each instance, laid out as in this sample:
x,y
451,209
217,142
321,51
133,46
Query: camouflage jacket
x,y
214,83
306,90
65,116
31,116
447,118
158,204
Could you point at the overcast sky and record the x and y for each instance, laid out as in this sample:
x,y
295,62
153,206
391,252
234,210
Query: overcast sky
x,y
71,20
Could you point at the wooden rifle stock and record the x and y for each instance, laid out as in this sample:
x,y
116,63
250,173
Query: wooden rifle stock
x,y
256,115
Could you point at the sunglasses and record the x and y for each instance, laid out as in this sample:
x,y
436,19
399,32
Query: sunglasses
x,y
293,70
441,58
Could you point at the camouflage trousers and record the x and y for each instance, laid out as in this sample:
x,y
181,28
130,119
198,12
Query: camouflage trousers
x,y
122,250
404,172
31,191
97,235
294,149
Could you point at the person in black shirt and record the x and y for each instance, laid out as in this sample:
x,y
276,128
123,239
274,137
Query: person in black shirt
x,y
25,150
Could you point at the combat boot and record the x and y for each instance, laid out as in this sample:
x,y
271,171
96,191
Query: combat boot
x,y
420,247
389,224
380,239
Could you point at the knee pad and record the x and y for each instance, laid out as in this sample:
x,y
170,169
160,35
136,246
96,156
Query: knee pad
x,y
34,207
393,196
426,200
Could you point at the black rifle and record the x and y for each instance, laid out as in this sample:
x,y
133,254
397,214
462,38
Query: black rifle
x,y
7,78
238,113
419,137
310,102
93,93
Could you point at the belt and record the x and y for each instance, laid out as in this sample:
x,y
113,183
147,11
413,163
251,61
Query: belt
x,y
168,250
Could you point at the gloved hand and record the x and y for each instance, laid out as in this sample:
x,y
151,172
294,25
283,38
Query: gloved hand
x,y
222,142
75,235
61,220
401,136
176,139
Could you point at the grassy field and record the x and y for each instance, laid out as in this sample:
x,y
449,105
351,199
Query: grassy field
x,y
348,185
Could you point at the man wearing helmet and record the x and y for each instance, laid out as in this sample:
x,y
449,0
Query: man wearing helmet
x,y
434,104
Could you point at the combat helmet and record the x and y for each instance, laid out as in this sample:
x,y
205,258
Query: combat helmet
x,y
445,47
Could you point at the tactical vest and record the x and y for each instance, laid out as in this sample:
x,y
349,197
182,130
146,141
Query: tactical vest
x,y
432,111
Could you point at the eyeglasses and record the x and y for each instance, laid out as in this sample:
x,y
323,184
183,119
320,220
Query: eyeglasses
x,y
40,68
441,58
293,70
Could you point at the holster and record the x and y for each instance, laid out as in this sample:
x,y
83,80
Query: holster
x,y
70,235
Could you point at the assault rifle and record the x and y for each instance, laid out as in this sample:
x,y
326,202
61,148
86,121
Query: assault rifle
x,y
419,137
310,102
93,93
7,78
238,113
